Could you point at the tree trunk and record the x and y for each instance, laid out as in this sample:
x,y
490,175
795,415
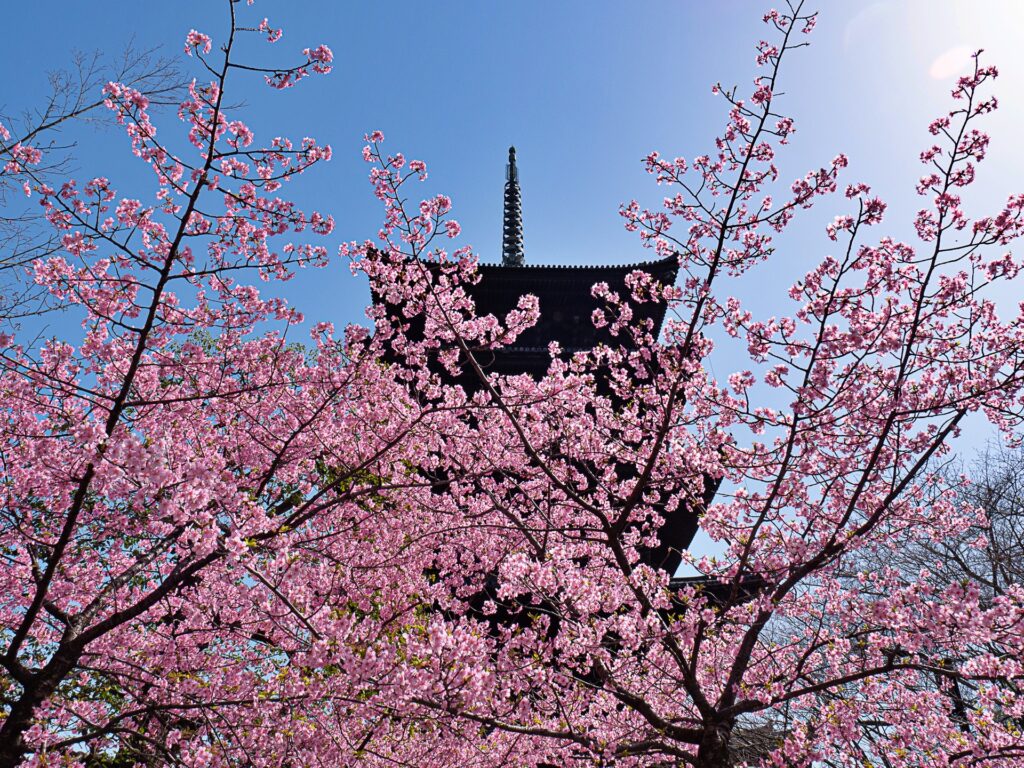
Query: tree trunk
x,y
40,687
713,751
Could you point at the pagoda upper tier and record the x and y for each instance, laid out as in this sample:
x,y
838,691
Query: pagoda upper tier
x,y
566,307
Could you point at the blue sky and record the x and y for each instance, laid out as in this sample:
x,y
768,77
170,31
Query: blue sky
x,y
583,88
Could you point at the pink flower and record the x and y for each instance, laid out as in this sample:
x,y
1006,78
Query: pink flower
x,y
762,95
320,57
418,167
77,244
22,156
196,40
273,35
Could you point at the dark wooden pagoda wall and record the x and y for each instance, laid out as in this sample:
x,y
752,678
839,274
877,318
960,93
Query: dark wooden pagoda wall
x,y
566,306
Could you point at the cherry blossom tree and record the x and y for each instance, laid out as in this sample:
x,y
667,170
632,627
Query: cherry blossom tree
x,y
776,654
225,548
72,99
166,473
986,555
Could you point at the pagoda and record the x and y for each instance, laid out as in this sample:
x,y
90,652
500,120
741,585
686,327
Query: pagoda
x,y
566,306
564,294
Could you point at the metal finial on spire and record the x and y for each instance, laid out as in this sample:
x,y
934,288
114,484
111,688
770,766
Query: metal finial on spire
x,y
512,238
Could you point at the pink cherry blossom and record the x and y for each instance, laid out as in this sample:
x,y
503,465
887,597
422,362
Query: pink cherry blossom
x,y
226,547
197,41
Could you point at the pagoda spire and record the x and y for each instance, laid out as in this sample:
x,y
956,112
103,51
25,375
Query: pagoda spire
x,y
512,237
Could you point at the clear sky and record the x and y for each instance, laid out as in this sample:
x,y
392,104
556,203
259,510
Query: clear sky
x,y
583,88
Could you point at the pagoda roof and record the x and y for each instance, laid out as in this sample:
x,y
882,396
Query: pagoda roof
x,y
665,264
